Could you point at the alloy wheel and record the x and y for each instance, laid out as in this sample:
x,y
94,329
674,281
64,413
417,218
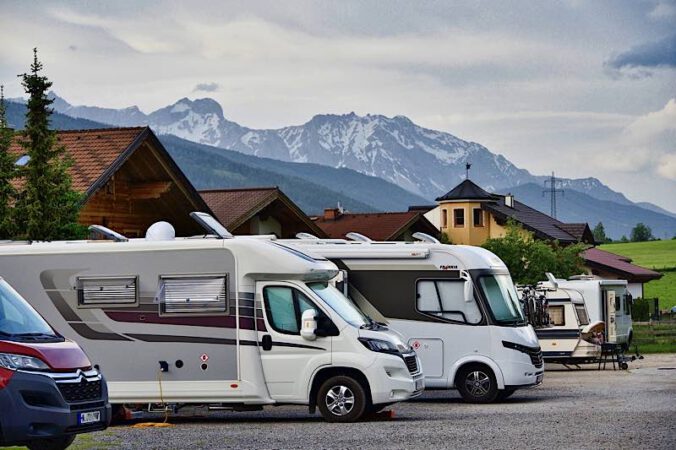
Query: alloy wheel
x,y
340,400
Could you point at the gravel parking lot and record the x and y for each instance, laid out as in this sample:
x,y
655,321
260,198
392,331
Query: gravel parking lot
x,y
572,409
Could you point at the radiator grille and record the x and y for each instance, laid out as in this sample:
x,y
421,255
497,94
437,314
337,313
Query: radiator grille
x,y
85,391
411,363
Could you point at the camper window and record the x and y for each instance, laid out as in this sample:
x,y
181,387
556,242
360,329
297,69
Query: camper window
x,y
582,315
446,299
107,291
557,315
204,294
284,307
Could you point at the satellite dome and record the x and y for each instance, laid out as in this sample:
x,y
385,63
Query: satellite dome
x,y
160,231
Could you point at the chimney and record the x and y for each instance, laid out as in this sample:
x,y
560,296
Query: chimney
x,y
332,213
509,200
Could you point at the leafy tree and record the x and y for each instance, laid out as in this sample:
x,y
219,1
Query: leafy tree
x,y
624,239
444,239
641,232
7,174
600,234
528,258
47,208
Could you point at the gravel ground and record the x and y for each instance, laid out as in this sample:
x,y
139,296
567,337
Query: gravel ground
x,y
572,409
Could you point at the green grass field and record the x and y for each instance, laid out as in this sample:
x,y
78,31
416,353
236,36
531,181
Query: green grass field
x,y
658,337
657,255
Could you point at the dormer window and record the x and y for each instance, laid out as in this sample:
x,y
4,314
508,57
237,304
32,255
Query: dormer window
x,y
22,161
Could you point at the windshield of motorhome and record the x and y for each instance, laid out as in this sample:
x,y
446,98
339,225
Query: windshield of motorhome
x,y
341,305
17,318
502,298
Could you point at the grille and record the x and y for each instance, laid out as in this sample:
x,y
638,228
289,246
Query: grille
x,y
411,363
535,357
84,391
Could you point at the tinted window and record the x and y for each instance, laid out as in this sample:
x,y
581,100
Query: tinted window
x,y
582,315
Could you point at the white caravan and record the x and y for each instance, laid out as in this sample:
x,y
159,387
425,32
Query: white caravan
x,y
218,321
607,301
455,305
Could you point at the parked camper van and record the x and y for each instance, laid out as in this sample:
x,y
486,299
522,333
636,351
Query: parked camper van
x,y
49,391
218,321
607,301
456,306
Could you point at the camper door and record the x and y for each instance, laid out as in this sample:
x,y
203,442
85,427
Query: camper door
x,y
611,318
286,355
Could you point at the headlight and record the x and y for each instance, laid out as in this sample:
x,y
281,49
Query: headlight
x,y
13,362
377,345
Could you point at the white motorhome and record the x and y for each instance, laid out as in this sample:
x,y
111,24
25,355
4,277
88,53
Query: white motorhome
x,y
455,305
607,301
218,321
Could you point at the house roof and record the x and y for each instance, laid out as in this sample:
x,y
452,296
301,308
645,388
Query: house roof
x,y
544,226
579,231
377,226
233,207
620,265
467,190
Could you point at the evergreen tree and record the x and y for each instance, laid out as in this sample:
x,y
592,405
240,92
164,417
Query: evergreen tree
x,y
7,174
641,232
47,208
600,234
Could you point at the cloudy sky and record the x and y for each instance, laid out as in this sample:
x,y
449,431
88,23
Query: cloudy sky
x,y
585,88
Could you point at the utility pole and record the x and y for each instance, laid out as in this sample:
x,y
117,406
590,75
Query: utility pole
x,y
552,191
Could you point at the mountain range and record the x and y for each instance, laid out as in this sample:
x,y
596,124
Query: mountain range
x,y
365,161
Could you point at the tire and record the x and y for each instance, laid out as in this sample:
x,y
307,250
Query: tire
x,y
477,384
505,394
58,443
342,399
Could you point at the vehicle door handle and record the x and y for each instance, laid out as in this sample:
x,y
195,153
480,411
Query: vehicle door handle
x,y
266,342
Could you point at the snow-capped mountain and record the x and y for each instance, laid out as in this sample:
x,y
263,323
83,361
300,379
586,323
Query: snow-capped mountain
x,y
424,161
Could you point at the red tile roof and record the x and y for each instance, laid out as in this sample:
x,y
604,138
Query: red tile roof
x,y
618,264
93,151
232,206
377,226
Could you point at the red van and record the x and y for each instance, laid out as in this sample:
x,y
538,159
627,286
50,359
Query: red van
x,y
49,391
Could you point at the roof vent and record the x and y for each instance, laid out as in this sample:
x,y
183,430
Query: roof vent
x,y
161,231
107,233
509,200
424,237
303,235
357,237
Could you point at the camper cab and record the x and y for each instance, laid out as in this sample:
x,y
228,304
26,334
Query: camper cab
x,y
607,301
455,305
49,391
569,338
217,321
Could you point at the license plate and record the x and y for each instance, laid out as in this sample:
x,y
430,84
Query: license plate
x,y
418,385
538,379
89,417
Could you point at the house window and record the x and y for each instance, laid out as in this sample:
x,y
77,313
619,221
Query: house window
x,y
478,217
193,294
446,299
444,218
459,217
556,316
107,291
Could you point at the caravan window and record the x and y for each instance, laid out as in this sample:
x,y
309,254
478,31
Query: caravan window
x,y
446,299
557,315
107,291
284,307
582,315
193,294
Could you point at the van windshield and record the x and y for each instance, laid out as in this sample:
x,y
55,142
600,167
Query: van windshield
x,y
19,321
341,305
502,299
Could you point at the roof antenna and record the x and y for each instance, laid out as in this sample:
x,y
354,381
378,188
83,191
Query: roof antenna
x,y
467,167
303,235
357,237
424,237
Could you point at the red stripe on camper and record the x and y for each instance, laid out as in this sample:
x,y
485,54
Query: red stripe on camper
x,y
245,323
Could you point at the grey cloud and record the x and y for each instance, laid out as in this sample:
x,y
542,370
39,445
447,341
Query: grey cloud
x,y
206,87
645,57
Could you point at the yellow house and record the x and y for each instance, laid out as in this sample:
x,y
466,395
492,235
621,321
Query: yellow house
x,y
469,215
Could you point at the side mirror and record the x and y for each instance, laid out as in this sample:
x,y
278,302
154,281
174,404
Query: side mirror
x,y
469,291
308,330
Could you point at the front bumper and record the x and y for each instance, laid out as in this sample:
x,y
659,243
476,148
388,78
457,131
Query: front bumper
x,y
392,381
519,375
40,411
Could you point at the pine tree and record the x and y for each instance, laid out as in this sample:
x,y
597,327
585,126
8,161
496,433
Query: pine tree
x,y
7,174
48,207
600,234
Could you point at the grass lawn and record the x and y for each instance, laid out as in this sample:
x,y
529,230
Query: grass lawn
x,y
656,338
657,255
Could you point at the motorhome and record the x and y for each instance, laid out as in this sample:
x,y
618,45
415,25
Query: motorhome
x,y
567,336
217,321
49,390
607,301
455,305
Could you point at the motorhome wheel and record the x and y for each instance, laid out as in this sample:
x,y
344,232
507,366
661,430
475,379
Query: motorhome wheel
x,y
56,443
341,399
476,384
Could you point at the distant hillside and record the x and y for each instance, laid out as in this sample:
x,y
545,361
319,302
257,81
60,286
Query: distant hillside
x,y
618,219
16,113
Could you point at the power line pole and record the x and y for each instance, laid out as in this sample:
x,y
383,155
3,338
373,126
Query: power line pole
x,y
552,191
